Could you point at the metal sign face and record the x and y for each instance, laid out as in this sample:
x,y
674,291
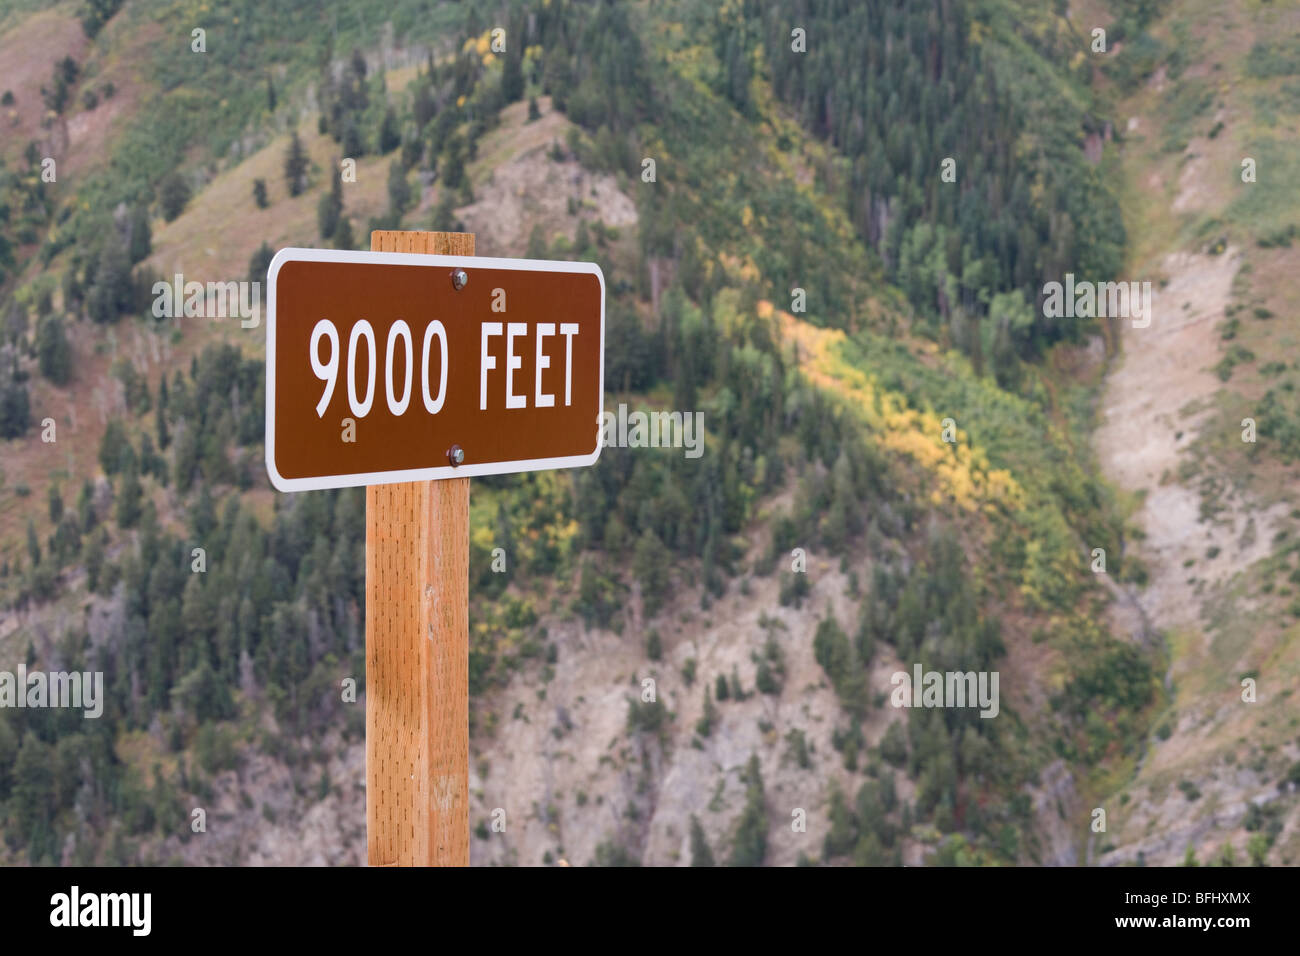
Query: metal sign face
x,y
385,367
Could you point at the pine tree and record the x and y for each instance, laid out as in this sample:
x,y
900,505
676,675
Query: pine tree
x,y
390,134
536,243
701,855
54,354
843,833
295,165
343,238
141,243
114,448
112,292
33,791
444,213
258,265
352,142
512,76
15,404
33,543
86,516
330,207
750,846
173,195
160,418
93,557
399,190
704,726
650,563
129,498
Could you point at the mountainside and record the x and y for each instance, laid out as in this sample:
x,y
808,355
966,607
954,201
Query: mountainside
x,y
828,228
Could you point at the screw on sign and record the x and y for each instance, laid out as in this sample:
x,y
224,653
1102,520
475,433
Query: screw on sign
x,y
407,372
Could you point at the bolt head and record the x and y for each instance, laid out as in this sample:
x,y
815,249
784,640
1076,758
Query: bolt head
x,y
459,279
456,455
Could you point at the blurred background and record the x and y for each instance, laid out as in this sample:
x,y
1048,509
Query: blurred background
x,y
788,250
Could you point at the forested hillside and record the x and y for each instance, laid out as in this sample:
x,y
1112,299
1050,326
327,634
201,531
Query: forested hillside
x,y
782,250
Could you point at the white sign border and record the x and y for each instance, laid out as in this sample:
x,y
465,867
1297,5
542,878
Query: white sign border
x,y
469,264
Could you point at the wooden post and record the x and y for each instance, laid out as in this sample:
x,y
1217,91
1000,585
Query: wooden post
x,y
417,650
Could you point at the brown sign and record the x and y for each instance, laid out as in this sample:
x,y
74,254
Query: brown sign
x,y
384,367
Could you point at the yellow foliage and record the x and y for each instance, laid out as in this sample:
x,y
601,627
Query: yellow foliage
x,y
483,536
963,475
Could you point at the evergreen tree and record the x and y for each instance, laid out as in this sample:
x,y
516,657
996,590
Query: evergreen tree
x,y
113,292
704,726
33,543
701,855
893,746
93,558
650,563
141,243
260,263
33,790
129,497
330,207
750,846
295,165
353,143
536,243
390,134
173,195
444,213
115,448
161,432
15,407
343,238
399,190
512,76
54,354
843,833
86,516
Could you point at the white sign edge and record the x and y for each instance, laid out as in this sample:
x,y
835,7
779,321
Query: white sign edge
x,y
297,254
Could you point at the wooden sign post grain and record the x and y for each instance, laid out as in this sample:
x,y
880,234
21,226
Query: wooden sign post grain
x,y
417,650
398,369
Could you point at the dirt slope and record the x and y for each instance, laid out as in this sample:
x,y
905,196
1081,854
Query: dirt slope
x,y
1211,513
